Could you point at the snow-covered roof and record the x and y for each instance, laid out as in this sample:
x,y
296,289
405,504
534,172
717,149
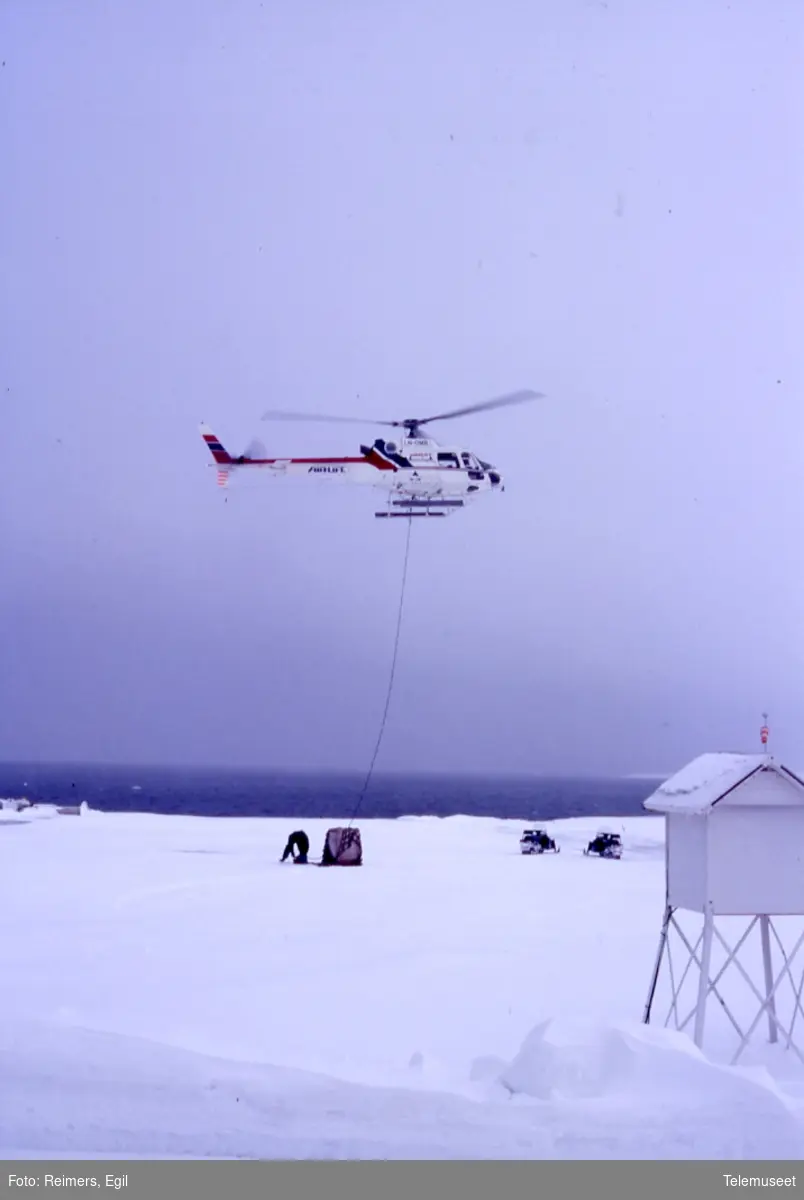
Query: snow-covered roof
x,y
704,781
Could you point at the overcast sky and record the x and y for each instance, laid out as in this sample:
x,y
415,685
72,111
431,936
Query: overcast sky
x,y
389,209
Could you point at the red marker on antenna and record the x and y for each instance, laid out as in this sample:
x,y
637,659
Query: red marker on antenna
x,y
764,731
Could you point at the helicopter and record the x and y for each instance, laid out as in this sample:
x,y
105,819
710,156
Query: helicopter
x,y
422,478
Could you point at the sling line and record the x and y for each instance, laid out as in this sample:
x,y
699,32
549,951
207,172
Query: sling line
x,y
391,679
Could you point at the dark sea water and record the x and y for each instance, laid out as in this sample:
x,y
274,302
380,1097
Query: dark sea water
x,y
216,792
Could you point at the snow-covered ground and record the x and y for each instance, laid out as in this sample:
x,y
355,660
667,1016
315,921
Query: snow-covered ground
x,y
170,990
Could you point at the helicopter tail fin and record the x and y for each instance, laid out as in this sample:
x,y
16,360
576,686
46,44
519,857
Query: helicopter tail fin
x,y
216,448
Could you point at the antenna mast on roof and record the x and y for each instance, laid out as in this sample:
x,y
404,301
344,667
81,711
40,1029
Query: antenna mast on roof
x,y
764,731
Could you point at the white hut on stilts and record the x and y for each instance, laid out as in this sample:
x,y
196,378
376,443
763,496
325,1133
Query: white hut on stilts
x,y
734,848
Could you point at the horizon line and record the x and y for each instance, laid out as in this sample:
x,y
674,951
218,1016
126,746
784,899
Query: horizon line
x,y
254,768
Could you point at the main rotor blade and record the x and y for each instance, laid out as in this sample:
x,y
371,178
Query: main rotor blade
x,y
519,397
498,402
272,415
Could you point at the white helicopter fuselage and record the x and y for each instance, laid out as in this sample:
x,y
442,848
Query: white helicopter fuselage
x,y
417,466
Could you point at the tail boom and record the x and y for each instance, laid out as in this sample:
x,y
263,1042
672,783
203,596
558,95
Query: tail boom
x,y
363,469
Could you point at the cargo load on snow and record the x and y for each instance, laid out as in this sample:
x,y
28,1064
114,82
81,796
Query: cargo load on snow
x,y
342,848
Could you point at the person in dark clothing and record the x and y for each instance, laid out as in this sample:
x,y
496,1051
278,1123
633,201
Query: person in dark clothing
x,y
298,841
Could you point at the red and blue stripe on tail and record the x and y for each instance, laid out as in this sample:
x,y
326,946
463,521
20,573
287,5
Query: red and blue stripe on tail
x,y
216,448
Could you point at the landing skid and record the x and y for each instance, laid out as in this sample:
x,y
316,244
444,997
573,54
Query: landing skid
x,y
421,508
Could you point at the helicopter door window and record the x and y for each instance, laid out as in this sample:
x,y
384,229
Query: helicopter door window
x,y
448,460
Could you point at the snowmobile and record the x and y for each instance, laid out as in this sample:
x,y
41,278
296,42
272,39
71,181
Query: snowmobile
x,y
605,845
537,841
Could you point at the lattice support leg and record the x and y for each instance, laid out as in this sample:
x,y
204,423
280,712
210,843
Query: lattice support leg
x,y
703,981
668,912
767,967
